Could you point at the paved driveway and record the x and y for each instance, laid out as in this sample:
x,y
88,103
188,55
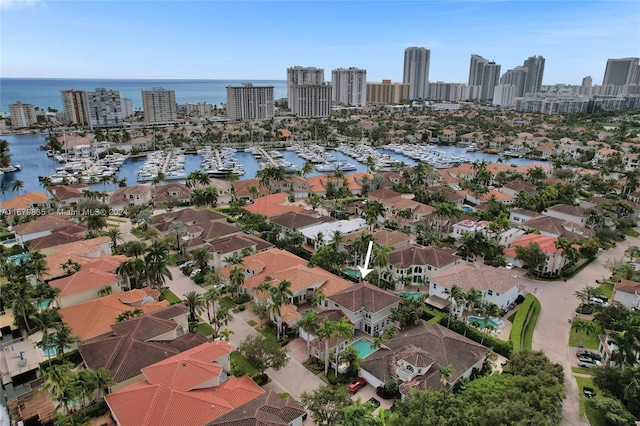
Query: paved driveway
x,y
559,302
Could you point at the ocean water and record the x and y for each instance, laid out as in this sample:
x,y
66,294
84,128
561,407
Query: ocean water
x,y
45,92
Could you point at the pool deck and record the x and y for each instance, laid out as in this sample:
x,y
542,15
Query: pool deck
x,y
503,332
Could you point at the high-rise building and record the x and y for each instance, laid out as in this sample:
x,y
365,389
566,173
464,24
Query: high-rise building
x,y
416,71
75,106
484,73
302,76
387,93
307,94
452,92
104,108
621,72
535,71
249,102
349,86
22,115
516,77
127,108
159,105
504,95
587,81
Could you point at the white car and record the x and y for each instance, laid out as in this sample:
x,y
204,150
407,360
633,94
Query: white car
x,y
187,264
195,272
598,301
510,265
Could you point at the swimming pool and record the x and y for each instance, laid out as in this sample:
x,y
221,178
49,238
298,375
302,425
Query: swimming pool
x,y
410,295
492,321
466,208
16,258
44,304
9,242
364,347
355,273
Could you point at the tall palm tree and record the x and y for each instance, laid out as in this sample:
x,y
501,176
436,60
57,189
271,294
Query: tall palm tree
x,y
178,229
487,310
194,301
210,299
381,259
237,277
102,379
280,295
63,338
115,235
201,256
626,351
325,331
454,295
308,324
17,185
44,320
343,328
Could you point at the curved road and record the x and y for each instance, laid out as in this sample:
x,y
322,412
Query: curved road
x,y
559,302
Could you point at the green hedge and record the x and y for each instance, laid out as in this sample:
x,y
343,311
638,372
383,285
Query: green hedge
x,y
524,323
501,347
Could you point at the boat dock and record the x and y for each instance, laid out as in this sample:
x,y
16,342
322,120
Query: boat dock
x,y
165,163
266,155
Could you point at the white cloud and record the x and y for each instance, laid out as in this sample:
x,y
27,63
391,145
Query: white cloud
x,y
18,4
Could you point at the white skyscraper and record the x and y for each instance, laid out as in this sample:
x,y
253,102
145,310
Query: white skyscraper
x,y
249,102
159,105
349,86
416,71
484,73
535,71
104,108
22,115
622,72
307,94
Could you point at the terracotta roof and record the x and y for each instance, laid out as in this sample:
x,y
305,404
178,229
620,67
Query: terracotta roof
x,y
183,389
82,252
66,192
267,409
106,263
94,318
364,296
425,344
133,345
520,185
382,194
294,220
567,209
25,201
57,238
273,205
188,216
466,276
210,231
627,286
410,255
82,280
42,223
162,192
547,244
241,188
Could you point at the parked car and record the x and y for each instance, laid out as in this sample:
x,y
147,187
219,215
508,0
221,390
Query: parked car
x,y
589,354
195,272
187,264
598,301
510,265
588,392
357,384
587,362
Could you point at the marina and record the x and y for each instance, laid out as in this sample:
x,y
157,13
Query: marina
x,y
218,163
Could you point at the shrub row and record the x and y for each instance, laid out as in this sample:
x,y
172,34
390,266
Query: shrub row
x,y
520,322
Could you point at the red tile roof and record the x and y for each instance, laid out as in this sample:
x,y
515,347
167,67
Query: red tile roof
x,y
272,205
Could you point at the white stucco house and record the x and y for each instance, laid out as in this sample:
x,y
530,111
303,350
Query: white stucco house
x,y
627,293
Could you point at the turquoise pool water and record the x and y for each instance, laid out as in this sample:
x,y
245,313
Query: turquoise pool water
x,y
9,242
411,295
49,352
492,321
352,272
466,209
18,257
364,347
44,304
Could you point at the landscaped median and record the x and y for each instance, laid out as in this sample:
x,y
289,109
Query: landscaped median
x,y
524,323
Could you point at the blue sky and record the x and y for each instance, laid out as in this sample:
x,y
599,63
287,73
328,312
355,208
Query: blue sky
x,y
259,40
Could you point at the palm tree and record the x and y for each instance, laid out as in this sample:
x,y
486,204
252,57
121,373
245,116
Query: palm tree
x,y
309,325
17,185
580,326
4,187
195,303
626,349
445,210
445,374
102,379
237,277
306,169
455,295
62,339
343,328
325,331
56,381
19,294
201,256
115,236
210,298
381,259
488,310
178,229
279,296
44,319
473,298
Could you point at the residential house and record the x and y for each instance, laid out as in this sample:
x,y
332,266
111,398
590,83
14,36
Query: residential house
x,y
272,205
556,259
85,284
234,246
40,227
224,189
448,136
368,307
67,195
497,285
418,263
93,319
80,252
465,226
269,408
193,387
415,356
520,216
567,213
171,194
607,346
137,195
293,221
448,194
250,189
22,203
68,234
382,237
627,293
512,189
139,342
294,185
327,230
554,227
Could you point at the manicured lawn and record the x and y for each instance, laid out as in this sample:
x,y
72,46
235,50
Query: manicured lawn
x,y
226,302
582,382
171,297
240,365
582,370
524,323
205,329
589,341
252,323
607,289
437,315
269,333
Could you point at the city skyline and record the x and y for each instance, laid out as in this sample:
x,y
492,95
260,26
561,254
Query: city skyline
x,y
202,40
